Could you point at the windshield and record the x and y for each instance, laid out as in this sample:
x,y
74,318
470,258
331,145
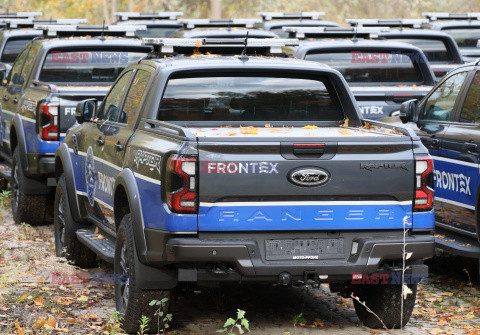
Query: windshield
x,y
380,68
465,37
234,98
86,67
156,32
12,49
435,50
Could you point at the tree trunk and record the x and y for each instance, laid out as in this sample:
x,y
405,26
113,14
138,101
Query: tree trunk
x,y
106,14
216,9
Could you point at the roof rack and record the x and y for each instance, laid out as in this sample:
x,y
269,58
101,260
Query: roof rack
x,y
89,30
30,23
405,23
237,23
221,46
19,15
267,16
334,32
433,16
124,16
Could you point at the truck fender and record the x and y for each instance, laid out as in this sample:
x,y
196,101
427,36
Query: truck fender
x,y
126,181
62,157
149,277
17,124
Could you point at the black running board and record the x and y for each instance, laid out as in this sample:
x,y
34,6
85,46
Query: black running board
x,y
100,243
456,243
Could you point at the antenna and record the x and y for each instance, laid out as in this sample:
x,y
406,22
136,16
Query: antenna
x,y
102,37
354,38
244,56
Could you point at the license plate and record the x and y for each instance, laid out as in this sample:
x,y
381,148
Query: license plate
x,y
304,249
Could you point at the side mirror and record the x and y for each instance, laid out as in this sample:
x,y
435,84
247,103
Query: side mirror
x,y
86,110
408,111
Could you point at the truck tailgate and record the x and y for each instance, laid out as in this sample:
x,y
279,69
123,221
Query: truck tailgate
x,y
288,184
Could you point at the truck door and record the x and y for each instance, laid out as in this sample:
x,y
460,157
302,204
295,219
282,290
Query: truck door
x,y
116,136
457,171
435,120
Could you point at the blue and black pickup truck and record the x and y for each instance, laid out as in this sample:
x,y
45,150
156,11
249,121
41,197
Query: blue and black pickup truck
x,y
16,33
276,21
463,27
440,48
448,122
38,101
381,74
215,169
159,24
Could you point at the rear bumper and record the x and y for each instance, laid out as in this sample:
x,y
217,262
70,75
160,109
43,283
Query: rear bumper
x,y
242,256
40,165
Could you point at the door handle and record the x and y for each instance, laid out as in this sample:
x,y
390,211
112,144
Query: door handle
x,y
118,146
471,146
15,100
435,141
5,98
100,141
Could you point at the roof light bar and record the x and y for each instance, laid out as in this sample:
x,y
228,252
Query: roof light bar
x,y
124,16
433,16
168,45
267,16
324,32
412,23
20,15
196,23
55,30
30,23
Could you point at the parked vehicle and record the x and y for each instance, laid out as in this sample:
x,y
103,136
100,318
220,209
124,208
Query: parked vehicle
x,y
38,103
276,21
447,121
463,27
381,74
160,24
244,169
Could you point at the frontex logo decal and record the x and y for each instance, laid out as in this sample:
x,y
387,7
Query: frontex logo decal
x,y
456,182
148,159
90,176
239,167
384,165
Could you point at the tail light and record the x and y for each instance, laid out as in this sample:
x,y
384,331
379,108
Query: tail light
x,y
423,184
181,184
48,122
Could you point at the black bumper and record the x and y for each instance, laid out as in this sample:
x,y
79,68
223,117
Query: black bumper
x,y
40,165
242,256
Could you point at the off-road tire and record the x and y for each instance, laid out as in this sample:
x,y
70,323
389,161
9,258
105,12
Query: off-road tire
x,y
69,246
138,302
25,208
385,301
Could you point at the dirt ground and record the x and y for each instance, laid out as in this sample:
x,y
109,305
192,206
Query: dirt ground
x,y
42,294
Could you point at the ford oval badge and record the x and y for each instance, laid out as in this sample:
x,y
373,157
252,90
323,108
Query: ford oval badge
x,y
308,176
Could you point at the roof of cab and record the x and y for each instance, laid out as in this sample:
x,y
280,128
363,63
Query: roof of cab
x,y
415,32
234,62
152,23
298,23
225,33
441,25
90,41
21,32
350,44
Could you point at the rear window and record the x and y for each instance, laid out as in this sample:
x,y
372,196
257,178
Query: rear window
x,y
435,50
78,67
12,49
249,98
465,37
371,67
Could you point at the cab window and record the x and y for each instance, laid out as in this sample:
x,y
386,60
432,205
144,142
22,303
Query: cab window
x,y
439,105
15,73
132,105
111,105
471,107
29,61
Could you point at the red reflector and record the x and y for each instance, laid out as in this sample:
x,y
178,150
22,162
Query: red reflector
x,y
309,145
